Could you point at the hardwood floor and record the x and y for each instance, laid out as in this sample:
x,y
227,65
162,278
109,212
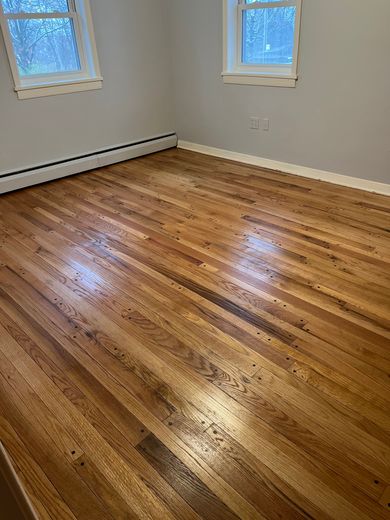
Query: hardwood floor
x,y
187,337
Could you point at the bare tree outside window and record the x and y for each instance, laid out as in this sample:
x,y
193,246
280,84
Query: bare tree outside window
x,y
268,35
42,45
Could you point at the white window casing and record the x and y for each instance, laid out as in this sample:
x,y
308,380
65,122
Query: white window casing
x,y
88,77
237,72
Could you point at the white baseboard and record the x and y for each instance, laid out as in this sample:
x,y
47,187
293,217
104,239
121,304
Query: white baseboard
x,y
302,171
10,181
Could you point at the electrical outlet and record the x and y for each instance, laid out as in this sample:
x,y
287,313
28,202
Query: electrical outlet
x,y
265,124
254,123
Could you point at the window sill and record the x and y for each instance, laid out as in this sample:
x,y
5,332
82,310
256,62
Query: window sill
x,y
267,80
55,89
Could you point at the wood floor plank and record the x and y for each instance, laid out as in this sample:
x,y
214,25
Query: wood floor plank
x,y
45,498
221,378
188,337
262,489
131,488
186,483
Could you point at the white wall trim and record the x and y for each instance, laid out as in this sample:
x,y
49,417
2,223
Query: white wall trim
x,y
302,171
56,89
10,181
240,78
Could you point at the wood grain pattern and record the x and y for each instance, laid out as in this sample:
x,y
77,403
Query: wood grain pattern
x,y
187,337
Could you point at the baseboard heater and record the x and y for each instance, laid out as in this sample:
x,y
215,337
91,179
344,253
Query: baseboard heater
x,y
15,180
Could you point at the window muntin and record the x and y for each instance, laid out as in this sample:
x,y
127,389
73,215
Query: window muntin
x,y
49,42
35,6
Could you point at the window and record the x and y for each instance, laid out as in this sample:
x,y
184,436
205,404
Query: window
x,y
50,45
261,41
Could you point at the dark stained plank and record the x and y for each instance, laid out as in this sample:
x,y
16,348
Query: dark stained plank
x,y
200,498
262,489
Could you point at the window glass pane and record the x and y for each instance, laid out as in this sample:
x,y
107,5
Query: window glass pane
x,y
44,46
35,6
268,36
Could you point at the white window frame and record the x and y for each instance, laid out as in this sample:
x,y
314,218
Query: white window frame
x,y
237,72
39,85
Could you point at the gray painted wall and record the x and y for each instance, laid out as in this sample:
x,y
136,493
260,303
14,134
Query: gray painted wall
x,y
338,117
136,100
